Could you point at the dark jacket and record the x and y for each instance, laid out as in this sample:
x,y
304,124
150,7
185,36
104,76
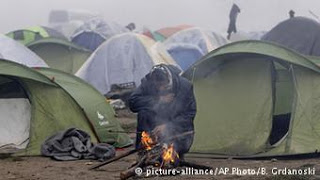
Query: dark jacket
x,y
178,114
235,10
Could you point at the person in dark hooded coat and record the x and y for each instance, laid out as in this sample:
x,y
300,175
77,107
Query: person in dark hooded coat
x,y
166,106
235,10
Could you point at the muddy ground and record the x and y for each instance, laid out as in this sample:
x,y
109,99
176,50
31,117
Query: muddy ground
x,y
40,168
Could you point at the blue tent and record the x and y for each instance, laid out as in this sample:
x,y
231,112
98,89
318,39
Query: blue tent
x,y
185,54
189,45
88,39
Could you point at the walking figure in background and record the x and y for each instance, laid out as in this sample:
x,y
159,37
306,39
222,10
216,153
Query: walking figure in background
x,y
235,10
291,13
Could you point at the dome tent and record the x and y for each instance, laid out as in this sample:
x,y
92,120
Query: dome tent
x,y
299,33
203,38
163,33
33,107
31,34
184,54
16,52
60,54
94,32
124,58
30,113
189,45
96,108
256,81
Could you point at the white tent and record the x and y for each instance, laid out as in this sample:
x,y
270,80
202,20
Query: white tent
x,y
95,31
124,58
15,51
205,39
102,27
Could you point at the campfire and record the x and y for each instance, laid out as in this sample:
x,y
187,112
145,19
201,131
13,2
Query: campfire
x,y
169,155
166,155
154,153
146,141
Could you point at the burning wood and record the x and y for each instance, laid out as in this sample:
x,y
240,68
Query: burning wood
x,y
146,141
169,155
156,154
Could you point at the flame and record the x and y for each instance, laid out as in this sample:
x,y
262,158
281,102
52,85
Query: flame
x,y
169,155
146,140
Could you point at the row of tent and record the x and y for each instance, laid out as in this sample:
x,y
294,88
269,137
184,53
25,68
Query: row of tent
x,y
278,84
191,43
185,43
53,47
223,81
132,53
33,100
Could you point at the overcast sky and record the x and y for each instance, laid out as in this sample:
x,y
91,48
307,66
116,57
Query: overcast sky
x,y
256,15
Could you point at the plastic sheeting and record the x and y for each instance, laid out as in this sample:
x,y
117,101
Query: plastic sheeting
x,y
124,58
16,52
95,31
204,39
15,123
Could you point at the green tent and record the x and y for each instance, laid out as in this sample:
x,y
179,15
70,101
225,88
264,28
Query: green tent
x,y
60,54
31,34
95,106
250,93
33,107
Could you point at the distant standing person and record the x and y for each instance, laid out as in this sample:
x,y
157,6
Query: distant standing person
x,y
233,18
291,13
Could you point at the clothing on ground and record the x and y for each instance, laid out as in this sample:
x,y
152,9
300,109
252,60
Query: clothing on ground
x,y
74,144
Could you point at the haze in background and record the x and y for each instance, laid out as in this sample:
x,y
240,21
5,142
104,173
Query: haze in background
x,y
256,15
